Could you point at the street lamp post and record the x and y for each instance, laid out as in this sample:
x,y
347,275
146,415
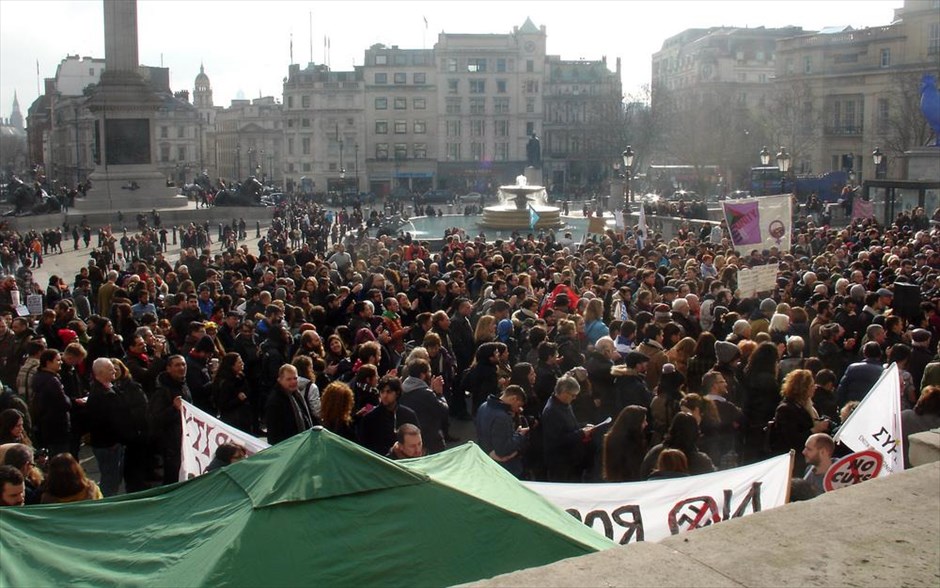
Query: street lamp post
x,y
628,156
878,158
238,161
764,162
357,167
783,164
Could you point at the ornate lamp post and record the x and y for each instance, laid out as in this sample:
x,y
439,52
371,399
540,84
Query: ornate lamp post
x,y
628,155
764,162
879,160
783,164
238,161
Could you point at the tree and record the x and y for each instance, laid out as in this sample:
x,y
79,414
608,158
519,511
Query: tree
x,y
905,126
793,119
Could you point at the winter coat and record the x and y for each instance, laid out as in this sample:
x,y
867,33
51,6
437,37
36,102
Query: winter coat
x,y
431,410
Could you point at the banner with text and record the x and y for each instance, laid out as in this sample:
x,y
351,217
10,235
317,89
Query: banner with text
x,y
202,435
656,509
761,278
759,223
876,422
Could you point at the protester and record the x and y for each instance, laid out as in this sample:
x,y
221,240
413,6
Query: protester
x,y
408,443
67,482
818,456
12,486
497,433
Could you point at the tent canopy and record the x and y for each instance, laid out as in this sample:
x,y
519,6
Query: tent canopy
x,y
316,508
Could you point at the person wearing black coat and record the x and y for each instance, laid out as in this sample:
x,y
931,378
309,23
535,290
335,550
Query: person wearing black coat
x,y
197,374
377,428
461,334
422,393
565,441
599,364
480,379
286,412
107,418
795,418
165,421
51,406
134,430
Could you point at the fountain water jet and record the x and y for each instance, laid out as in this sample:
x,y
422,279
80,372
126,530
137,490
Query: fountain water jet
x,y
513,210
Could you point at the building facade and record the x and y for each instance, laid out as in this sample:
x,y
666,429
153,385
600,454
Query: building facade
x,y
249,138
323,129
582,100
401,149
862,90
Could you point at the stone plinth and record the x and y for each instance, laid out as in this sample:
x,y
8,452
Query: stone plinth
x,y
108,189
510,218
533,176
923,163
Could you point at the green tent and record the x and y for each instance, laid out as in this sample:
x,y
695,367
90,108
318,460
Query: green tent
x,y
314,510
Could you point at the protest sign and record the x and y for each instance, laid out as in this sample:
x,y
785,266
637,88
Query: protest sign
x,y
596,225
762,278
853,469
760,223
34,304
876,422
656,509
202,435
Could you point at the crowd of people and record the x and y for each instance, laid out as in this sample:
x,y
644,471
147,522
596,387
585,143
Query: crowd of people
x,y
582,362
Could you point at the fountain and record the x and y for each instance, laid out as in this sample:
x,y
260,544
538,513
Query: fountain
x,y
516,205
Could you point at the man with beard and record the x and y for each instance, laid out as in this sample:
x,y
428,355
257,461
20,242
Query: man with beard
x,y
377,428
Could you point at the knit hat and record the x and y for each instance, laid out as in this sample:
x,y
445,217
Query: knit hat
x,y
67,335
740,327
726,352
768,305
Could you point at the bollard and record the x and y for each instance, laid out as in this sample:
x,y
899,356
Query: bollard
x,y
174,234
257,229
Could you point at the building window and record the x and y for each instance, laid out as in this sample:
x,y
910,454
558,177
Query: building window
x,y
420,127
502,152
883,114
532,87
530,105
381,127
381,59
476,65
477,128
332,166
450,64
401,103
290,168
164,132
290,123
477,106
453,151
381,150
529,66
419,103
933,39
305,145
501,65
421,151
305,123
401,151
401,127
381,78
500,86
529,128
452,106
305,101
452,86
885,57
420,59
305,167
477,86
381,103
476,151
807,65
290,146
180,132
452,128
401,59
501,105
181,153
401,78
420,78
501,128
290,101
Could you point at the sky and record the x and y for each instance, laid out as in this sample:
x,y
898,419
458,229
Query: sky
x,y
245,45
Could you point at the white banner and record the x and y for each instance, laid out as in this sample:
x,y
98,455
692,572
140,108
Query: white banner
x,y
876,422
656,509
759,223
202,435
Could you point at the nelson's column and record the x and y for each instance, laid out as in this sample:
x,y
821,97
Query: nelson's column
x,y
125,176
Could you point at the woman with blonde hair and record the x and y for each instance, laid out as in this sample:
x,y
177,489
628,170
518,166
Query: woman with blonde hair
x,y
795,418
336,409
485,331
680,354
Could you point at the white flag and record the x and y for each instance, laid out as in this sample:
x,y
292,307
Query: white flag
x,y
618,219
876,422
202,435
641,230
